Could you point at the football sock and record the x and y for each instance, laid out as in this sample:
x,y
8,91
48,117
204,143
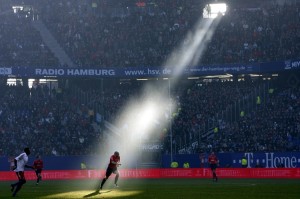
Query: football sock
x,y
12,187
116,178
19,186
102,183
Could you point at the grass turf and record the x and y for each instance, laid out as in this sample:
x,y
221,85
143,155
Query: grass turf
x,y
160,188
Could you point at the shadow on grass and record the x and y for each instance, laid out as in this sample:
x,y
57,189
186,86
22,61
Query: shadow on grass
x,y
95,193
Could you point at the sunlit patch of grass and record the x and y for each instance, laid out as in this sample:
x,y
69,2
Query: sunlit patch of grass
x,y
159,189
93,194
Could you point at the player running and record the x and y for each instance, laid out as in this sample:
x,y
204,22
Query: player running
x,y
38,165
213,162
113,165
20,165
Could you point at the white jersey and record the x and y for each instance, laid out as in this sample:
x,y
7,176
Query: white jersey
x,y
22,160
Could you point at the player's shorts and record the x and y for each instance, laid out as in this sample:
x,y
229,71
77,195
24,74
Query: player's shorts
x,y
109,171
20,175
213,166
38,171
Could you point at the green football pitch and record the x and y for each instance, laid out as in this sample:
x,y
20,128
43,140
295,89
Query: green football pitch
x,y
160,188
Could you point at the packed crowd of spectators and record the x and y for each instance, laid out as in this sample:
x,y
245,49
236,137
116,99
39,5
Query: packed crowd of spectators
x,y
95,34
270,126
58,123
49,121
205,106
61,124
146,38
273,127
20,44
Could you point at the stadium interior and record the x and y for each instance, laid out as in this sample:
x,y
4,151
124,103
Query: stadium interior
x,y
81,104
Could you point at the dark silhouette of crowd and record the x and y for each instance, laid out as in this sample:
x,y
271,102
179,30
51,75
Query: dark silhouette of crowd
x,y
272,127
116,34
20,44
58,121
205,106
137,38
50,121
226,116
271,124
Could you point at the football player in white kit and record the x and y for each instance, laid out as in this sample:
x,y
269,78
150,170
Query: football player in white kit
x,y
20,164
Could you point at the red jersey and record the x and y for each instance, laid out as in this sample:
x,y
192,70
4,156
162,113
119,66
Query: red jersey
x,y
113,158
38,164
212,159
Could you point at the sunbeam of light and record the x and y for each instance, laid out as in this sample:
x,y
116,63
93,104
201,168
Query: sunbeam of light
x,y
193,46
92,194
141,119
143,116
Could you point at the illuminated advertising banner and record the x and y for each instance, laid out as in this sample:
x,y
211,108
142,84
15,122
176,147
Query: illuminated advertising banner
x,y
254,160
227,160
159,173
122,72
135,72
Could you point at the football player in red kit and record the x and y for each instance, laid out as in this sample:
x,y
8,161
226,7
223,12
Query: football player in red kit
x,y
38,166
213,162
114,162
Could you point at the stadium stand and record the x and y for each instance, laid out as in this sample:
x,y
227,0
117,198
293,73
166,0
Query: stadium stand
x,y
131,37
209,115
20,44
136,38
